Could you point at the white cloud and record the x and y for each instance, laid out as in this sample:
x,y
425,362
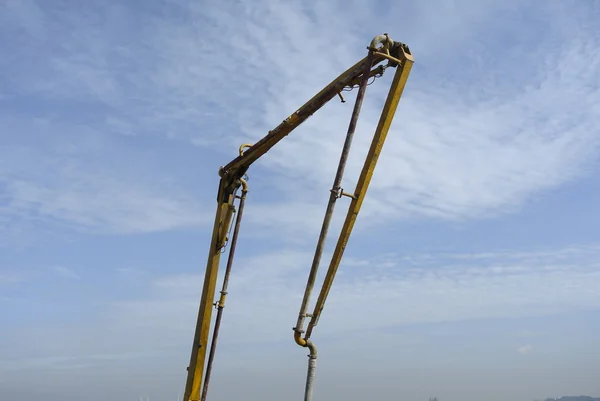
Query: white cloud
x,y
8,278
105,205
448,157
80,180
459,149
456,150
370,295
525,349
435,291
66,272
528,333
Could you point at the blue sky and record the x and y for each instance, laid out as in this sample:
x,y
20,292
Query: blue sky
x,y
474,266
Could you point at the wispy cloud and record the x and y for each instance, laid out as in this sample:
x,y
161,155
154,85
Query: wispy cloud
x,y
528,333
78,180
264,297
457,150
525,349
82,361
265,293
66,272
7,278
461,151
436,291
59,164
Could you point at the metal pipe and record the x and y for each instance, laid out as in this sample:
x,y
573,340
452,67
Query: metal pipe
x,y
362,185
221,302
310,374
334,195
384,40
391,58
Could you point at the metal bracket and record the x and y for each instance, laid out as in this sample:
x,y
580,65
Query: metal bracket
x,y
244,146
342,193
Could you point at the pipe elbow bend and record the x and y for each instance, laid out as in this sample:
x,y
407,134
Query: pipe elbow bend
x,y
299,340
383,40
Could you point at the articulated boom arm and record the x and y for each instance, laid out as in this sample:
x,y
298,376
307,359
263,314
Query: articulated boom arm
x,y
381,49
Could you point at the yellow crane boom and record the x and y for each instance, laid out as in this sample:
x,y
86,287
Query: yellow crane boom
x,y
381,49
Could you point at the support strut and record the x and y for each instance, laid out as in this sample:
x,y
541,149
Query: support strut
x,y
221,303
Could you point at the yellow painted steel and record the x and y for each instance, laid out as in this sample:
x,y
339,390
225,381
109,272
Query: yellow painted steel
x,y
199,347
231,177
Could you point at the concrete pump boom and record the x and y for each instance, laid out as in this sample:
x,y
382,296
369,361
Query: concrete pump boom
x,y
381,49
